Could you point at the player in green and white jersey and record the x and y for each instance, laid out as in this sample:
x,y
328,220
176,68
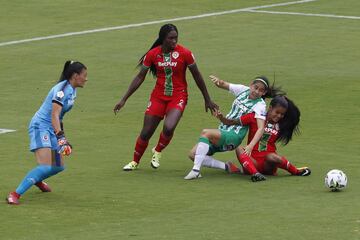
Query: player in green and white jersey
x,y
228,137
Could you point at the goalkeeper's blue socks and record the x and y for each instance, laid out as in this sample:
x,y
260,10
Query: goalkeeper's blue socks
x,y
37,174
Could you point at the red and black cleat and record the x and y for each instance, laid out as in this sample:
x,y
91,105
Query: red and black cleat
x,y
231,167
13,198
303,171
257,177
43,186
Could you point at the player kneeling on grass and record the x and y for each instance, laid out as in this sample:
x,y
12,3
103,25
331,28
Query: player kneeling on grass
x,y
47,139
229,137
281,123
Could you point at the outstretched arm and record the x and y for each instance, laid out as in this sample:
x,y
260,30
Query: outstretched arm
x,y
219,83
201,85
135,84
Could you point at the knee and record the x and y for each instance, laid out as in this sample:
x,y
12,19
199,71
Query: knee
x,y
168,131
205,133
57,169
239,150
273,158
144,136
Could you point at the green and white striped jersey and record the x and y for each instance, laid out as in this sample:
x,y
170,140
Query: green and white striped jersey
x,y
243,105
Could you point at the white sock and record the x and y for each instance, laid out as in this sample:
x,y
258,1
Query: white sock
x,y
213,163
201,151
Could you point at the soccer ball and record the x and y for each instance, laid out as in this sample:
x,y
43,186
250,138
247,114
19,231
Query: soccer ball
x,y
335,180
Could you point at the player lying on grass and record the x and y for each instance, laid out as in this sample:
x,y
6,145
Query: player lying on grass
x,y
47,138
282,120
229,137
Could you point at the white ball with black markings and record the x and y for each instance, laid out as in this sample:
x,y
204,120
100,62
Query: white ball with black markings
x,y
335,180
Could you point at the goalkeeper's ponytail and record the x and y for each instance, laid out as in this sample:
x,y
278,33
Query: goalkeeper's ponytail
x,y
70,68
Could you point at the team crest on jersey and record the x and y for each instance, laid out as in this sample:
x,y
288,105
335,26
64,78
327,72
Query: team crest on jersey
x,y
175,55
60,94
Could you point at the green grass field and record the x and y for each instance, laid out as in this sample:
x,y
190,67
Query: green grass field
x,y
315,59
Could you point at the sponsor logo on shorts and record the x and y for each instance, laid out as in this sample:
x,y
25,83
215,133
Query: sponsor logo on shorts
x,y
45,138
149,105
181,103
230,147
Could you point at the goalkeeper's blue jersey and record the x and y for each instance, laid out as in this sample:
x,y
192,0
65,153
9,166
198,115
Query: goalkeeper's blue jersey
x,y
63,94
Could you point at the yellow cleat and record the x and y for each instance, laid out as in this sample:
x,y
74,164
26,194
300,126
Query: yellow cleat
x,y
131,166
155,160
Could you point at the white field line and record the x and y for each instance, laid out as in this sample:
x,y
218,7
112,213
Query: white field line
x,y
150,23
306,14
278,4
4,130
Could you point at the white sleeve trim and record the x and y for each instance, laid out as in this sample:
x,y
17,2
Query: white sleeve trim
x,y
236,89
260,110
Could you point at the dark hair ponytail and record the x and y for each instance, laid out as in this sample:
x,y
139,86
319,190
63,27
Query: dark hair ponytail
x,y
164,30
71,67
290,122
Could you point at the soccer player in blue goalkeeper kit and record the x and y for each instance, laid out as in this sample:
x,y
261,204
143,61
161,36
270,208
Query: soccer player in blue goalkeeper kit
x,y
47,138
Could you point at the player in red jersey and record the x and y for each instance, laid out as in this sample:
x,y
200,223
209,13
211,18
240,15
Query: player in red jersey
x,y
282,121
168,62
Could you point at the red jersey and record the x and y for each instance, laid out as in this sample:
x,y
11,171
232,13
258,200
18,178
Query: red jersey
x,y
267,142
170,69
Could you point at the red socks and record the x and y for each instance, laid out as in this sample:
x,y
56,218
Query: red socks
x,y
247,164
285,164
163,142
140,148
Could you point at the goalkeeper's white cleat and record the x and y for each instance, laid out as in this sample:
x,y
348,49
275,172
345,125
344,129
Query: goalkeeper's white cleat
x,y
131,166
155,160
193,174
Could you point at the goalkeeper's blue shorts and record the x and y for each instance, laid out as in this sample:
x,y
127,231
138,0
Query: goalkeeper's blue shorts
x,y
41,137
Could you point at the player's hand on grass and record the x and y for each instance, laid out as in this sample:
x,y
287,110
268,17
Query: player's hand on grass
x,y
118,106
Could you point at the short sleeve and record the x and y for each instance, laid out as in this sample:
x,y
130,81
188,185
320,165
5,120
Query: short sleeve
x,y
247,119
236,89
260,110
189,58
148,59
58,94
